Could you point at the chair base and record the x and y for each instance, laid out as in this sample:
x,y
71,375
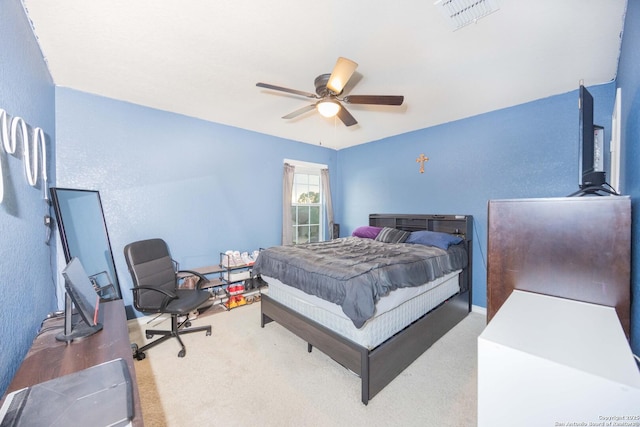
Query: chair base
x,y
175,332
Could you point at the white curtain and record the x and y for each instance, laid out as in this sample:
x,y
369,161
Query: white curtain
x,y
326,191
287,189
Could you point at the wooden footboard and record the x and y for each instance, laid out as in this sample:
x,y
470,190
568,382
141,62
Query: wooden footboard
x,y
379,366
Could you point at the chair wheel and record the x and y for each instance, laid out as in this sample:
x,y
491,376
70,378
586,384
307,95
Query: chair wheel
x,y
182,353
187,324
149,336
134,348
208,333
139,356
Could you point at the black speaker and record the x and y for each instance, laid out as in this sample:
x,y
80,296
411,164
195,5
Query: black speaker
x,y
336,231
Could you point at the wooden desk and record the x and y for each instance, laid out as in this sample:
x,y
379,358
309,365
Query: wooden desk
x,y
49,358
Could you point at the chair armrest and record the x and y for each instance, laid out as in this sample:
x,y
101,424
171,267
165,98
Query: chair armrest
x,y
169,296
202,280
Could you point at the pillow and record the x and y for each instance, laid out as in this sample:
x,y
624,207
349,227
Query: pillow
x,y
433,238
392,235
366,232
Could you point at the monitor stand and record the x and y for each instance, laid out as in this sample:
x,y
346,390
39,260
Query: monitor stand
x,y
595,190
80,330
594,179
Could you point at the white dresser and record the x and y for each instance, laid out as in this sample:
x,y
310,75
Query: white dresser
x,y
548,361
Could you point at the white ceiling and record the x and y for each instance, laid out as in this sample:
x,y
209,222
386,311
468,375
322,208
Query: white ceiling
x,y
202,58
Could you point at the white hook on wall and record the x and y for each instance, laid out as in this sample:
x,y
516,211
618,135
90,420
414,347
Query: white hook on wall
x,y
4,136
38,136
30,157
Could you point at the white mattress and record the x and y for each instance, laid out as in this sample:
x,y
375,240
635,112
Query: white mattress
x,y
393,312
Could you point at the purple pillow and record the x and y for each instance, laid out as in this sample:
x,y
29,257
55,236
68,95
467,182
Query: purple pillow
x,y
366,232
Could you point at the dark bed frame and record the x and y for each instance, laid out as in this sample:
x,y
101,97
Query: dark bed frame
x,y
379,366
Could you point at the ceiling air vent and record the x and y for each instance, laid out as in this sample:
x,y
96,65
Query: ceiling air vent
x,y
463,12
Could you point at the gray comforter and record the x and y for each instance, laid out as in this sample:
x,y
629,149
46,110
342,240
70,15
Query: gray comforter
x,y
354,273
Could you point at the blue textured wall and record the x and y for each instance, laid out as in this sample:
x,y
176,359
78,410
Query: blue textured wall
x,y
203,187
178,178
207,188
530,150
27,289
629,81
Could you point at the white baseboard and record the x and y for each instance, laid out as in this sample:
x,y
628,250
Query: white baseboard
x,y
479,310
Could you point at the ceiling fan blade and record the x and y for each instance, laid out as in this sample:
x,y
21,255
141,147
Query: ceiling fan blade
x,y
346,117
374,99
299,111
341,74
285,89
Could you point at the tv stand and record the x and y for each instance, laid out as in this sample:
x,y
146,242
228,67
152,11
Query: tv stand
x,y
563,255
595,190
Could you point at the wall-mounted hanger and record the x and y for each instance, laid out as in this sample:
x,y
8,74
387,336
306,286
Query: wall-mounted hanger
x,y
10,132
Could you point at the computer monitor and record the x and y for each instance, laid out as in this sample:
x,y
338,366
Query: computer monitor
x,y
80,294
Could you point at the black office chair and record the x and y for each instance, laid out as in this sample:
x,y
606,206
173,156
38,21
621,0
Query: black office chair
x,y
156,290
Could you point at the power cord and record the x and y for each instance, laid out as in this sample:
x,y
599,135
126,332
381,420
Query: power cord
x,y
52,315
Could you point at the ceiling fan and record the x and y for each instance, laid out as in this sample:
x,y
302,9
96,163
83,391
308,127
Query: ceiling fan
x,y
329,87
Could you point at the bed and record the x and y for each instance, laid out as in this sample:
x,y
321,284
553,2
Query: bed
x,y
375,342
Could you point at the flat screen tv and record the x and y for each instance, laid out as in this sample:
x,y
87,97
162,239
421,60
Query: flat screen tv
x,y
81,316
588,176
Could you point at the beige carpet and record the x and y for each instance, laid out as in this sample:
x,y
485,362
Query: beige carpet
x,y
244,375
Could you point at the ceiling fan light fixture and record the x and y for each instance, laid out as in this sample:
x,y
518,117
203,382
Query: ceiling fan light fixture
x,y
328,107
328,88
341,74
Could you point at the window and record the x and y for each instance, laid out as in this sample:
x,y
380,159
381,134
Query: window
x,y
306,206
306,203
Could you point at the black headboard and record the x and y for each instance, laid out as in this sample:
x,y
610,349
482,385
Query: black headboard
x,y
460,225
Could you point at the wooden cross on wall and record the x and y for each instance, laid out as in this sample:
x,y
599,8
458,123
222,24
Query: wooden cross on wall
x,y
421,160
